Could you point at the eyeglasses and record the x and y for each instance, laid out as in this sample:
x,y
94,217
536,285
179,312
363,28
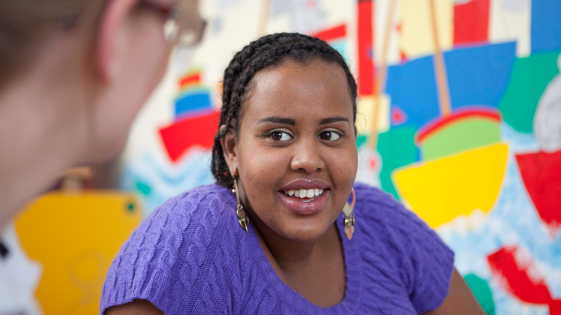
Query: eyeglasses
x,y
183,25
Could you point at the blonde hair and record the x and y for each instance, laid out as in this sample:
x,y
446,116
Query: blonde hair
x,y
25,24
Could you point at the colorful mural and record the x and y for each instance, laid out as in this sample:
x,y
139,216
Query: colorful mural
x,y
459,117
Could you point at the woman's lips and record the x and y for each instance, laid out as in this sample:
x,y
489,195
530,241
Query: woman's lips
x,y
307,206
305,184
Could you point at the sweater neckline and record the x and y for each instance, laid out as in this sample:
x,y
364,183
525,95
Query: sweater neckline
x,y
297,302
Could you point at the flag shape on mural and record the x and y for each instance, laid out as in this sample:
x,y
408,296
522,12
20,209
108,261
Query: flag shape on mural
x,y
517,273
471,22
365,38
541,173
196,119
336,37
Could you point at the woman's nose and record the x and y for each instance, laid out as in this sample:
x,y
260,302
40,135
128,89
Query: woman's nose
x,y
307,157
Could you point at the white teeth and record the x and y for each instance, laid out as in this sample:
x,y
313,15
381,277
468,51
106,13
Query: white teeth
x,y
304,193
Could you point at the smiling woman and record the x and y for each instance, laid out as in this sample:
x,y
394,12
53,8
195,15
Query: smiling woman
x,y
285,161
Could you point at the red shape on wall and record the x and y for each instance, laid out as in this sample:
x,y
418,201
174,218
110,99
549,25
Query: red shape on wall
x,y
330,34
402,57
188,132
471,22
190,79
398,116
365,38
516,272
541,173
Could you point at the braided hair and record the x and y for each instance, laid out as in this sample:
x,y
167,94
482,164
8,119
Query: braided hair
x,y
268,51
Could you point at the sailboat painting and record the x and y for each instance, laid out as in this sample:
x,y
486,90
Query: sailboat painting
x,y
463,167
478,89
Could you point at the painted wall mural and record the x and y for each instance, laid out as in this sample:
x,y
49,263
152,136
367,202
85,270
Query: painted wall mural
x,y
459,117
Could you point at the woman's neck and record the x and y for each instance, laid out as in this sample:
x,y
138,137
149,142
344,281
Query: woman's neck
x,y
316,270
39,135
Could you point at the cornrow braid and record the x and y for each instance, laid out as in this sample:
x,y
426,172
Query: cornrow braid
x,y
268,51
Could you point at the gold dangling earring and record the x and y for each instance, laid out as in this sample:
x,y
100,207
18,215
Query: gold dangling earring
x,y
349,217
242,218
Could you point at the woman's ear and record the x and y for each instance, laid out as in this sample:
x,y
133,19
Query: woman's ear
x,y
229,147
109,52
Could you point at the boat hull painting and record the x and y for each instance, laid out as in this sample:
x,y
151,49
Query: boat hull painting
x,y
455,185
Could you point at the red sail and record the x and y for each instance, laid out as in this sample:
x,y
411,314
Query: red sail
x,y
189,132
541,173
471,22
515,270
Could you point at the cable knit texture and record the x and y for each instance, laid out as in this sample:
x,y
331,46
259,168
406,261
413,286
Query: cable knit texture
x,y
190,256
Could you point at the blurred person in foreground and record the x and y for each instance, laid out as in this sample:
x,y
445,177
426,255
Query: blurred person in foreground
x,y
73,76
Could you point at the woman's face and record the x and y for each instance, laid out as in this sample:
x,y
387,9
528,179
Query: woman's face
x,y
295,154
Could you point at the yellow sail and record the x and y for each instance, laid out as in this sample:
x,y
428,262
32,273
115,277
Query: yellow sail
x,y
440,190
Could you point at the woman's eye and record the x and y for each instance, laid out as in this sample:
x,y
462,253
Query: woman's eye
x,y
329,136
280,136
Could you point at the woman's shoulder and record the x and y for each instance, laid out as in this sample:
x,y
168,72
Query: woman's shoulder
x,y
170,251
191,217
381,213
402,245
211,197
204,205
375,204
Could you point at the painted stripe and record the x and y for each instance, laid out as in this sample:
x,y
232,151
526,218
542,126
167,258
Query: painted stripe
x,y
440,123
330,34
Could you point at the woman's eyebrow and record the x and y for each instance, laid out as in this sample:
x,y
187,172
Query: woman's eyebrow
x,y
330,120
278,120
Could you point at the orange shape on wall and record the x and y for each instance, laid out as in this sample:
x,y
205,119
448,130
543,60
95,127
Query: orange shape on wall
x,y
75,237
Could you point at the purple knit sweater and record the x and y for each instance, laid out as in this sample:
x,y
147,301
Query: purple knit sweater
x,y
191,257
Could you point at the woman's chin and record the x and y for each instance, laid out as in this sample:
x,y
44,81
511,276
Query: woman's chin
x,y
305,232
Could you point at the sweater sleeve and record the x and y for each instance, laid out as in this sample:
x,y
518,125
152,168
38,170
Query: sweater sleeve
x,y
431,264
424,262
175,260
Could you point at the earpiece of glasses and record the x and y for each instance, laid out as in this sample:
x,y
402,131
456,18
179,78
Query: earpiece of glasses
x,y
185,37
183,25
